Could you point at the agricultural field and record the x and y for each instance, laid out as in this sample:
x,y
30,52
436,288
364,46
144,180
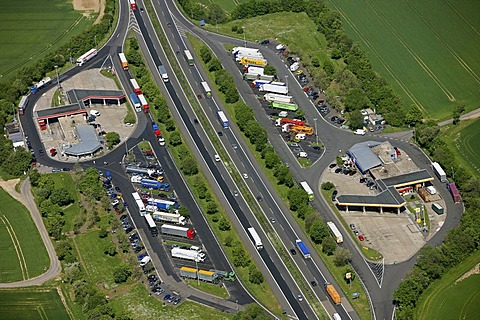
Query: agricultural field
x,y
427,50
30,29
467,143
38,303
456,295
23,254
227,5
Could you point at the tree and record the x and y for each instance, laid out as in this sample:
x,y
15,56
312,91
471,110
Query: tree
x,y
205,54
329,246
214,65
328,186
270,70
61,196
175,139
328,68
215,14
189,166
109,249
297,197
355,99
457,112
103,233
212,207
272,160
252,311
184,212
240,259
355,120
231,94
224,225
414,116
342,257
254,275
121,273
318,231
113,139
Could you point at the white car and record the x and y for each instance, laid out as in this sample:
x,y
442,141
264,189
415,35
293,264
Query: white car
x,y
302,155
245,176
95,113
294,67
360,132
161,141
280,47
115,202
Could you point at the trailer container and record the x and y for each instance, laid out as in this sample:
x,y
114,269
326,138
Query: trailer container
x,y
42,83
282,121
176,218
274,88
123,60
139,203
188,57
178,231
144,103
336,233
87,56
267,77
437,168
454,192
208,276
272,97
22,105
253,61
308,190
251,76
188,254
154,184
188,272
135,86
206,88
256,239
283,106
437,208
135,102
303,249
254,70
258,83
151,225
223,119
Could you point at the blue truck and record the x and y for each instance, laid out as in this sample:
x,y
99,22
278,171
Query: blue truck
x,y
303,248
108,175
154,184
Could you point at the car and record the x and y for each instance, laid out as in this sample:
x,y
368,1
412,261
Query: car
x,y
115,202
141,9
195,121
360,132
313,283
299,297
56,170
245,176
235,193
361,237
352,226
355,232
332,165
167,296
66,169
272,219
334,195
41,152
363,180
234,145
317,148
338,170
334,118
152,277
340,121
293,251
177,300
220,133
117,189
259,198
264,42
95,113
161,141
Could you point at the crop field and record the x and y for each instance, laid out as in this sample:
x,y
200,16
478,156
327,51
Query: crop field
x,y
455,296
227,5
23,254
467,142
33,28
427,50
23,304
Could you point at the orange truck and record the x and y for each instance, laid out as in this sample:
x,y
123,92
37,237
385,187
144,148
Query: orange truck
x,y
333,293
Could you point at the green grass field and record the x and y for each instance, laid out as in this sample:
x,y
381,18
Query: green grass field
x,y
448,300
65,180
23,304
427,50
23,254
32,28
227,5
468,144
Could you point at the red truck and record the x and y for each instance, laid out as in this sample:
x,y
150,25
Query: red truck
x,y
133,5
454,192
281,121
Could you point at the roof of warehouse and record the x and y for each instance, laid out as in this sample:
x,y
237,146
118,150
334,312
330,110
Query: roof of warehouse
x,y
45,113
387,198
365,158
76,95
405,179
88,144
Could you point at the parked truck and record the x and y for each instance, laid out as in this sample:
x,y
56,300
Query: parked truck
x,y
254,70
40,84
163,72
272,97
142,171
240,52
274,88
188,254
123,60
253,61
454,192
437,168
178,231
303,248
336,233
169,217
157,202
87,56
187,272
208,276
332,292
154,184
281,121
258,83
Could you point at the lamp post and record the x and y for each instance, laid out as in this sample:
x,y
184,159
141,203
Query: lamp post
x,y
196,266
244,39
58,79
316,133
95,38
286,82
236,304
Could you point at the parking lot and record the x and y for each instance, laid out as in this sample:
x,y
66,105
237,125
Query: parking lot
x,y
396,236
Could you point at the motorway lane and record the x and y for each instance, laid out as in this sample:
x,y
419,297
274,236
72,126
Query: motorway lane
x,y
212,165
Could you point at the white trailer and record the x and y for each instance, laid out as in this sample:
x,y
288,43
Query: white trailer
x,y
274,89
336,233
439,171
255,70
169,217
139,202
244,50
188,254
86,57
256,239
272,97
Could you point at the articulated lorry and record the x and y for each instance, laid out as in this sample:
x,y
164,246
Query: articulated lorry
x,y
169,217
178,231
272,88
208,276
188,254
281,121
272,97
87,56
437,168
303,248
253,61
154,184
40,84
336,233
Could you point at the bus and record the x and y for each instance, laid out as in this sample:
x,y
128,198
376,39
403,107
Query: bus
x,y
135,86
205,86
136,103
151,225
223,119
188,57
256,238
22,105
123,60
139,202
336,233
284,106
308,190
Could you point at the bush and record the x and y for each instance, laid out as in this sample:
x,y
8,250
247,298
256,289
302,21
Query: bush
x,y
121,273
328,186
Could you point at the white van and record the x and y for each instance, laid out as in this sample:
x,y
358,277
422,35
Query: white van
x,y
300,136
336,316
283,114
195,248
95,113
302,154
217,158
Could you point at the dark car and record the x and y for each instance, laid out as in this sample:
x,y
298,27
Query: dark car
x,y
220,133
317,148
195,121
332,165
334,118
167,296
314,283
264,42
334,195
66,169
259,198
293,251
41,152
338,170
363,180
117,189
